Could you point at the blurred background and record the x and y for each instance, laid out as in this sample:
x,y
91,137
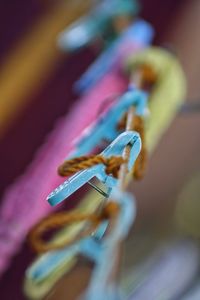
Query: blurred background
x,y
36,79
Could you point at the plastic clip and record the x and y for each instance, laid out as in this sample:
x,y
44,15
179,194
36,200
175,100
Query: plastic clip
x,y
79,179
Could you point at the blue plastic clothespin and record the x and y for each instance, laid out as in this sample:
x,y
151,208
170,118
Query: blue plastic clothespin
x,y
51,261
106,126
96,23
100,286
91,247
116,148
140,32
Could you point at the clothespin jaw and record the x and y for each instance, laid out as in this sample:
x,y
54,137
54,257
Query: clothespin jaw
x,y
96,23
106,126
78,180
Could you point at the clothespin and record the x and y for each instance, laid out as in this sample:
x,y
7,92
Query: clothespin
x,y
95,247
49,262
110,123
97,23
49,267
78,180
106,126
138,33
101,283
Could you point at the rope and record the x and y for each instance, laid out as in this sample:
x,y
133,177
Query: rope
x,y
77,164
141,161
61,219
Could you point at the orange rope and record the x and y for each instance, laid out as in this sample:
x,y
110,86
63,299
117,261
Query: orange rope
x,y
141,161
58,220
77,164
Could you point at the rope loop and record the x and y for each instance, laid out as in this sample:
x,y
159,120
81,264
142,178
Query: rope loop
x,y
61,219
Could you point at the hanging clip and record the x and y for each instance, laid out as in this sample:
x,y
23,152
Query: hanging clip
x,y
106,127
102,285
50,261
138,33
97,23
93,246
99,171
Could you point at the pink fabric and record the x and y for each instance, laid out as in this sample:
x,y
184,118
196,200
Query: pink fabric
x,y
24,201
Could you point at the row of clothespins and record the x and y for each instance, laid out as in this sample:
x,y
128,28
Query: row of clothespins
x,y
110,223
111,168
126,154
146,88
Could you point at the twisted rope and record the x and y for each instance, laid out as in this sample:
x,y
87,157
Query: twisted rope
x,y
77,164
61,219
141,161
